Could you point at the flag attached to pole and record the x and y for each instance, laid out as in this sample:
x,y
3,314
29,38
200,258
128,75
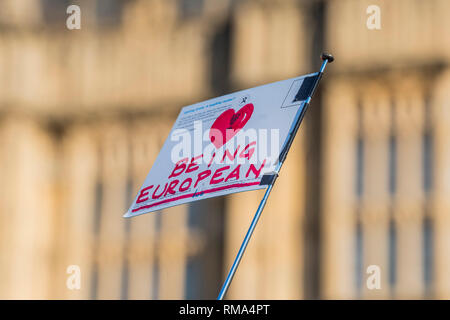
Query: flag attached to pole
x,y
224,145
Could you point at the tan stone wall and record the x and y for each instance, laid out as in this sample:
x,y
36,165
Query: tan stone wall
x,y
413,32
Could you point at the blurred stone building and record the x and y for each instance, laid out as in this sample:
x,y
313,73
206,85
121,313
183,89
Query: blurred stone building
x,y
83,114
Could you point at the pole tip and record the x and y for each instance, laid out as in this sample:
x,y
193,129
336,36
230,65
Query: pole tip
x,y
327,56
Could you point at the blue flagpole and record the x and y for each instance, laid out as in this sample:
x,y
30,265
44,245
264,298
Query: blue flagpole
x,y
327,58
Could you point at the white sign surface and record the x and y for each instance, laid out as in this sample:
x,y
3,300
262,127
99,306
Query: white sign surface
x,y
223,145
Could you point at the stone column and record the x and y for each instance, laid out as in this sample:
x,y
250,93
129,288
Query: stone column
x,y
259,51
247,282
27,209
79,182
376,126
141,246
272,267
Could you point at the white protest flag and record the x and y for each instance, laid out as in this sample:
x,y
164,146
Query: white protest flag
x,y
223,145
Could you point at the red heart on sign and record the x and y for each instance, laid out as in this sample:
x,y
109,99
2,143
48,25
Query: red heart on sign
x,y
228,124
